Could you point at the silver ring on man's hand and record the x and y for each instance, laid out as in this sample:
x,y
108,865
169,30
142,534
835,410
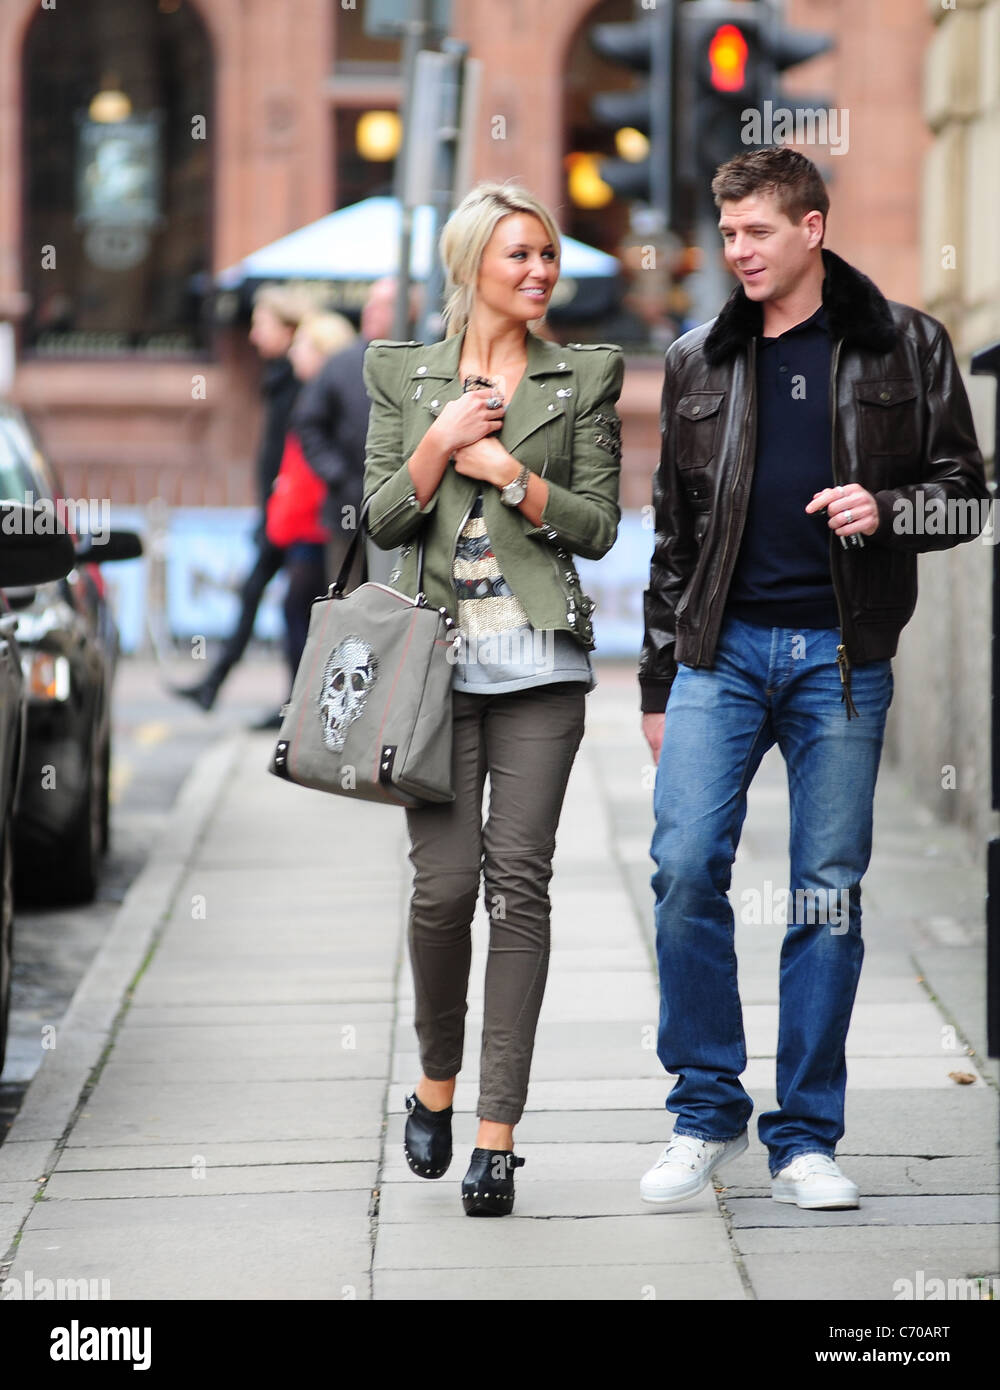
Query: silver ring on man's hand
x,y
494,403
849,517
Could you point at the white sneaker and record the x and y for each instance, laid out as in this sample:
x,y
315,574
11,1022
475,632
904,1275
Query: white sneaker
x,y
685,1166
815,1182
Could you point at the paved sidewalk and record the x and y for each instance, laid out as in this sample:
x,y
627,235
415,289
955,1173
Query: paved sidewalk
x,y
222,1114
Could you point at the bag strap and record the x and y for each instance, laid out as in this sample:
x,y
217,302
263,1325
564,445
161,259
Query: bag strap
x,y
336,589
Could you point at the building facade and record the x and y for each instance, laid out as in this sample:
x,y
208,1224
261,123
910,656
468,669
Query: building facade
x,y
941,723
255,106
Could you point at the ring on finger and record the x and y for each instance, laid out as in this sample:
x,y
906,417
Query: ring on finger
x,y
848,516
494,403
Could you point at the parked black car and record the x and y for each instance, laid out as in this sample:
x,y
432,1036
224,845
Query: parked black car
x,y
69,649
29,554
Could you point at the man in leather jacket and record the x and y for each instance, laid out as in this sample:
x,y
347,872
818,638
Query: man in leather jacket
x,y
815,438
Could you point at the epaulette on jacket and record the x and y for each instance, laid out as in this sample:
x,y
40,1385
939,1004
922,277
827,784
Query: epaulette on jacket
x,y
592,347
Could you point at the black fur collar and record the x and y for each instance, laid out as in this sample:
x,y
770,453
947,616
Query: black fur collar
x,y
856,311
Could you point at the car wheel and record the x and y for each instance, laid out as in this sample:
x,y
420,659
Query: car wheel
x,y
81,857
6,932
104,796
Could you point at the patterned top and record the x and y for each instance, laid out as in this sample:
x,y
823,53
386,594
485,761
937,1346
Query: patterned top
x,y
500,650
486,602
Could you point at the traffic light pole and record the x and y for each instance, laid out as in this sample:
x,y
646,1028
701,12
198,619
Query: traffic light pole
x,y
661,73
446,139
711,284
415,35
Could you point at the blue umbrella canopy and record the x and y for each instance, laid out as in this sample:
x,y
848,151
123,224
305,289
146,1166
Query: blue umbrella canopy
x,y
361,242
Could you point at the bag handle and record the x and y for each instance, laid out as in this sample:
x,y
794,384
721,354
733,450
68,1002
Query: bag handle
x,y
336,589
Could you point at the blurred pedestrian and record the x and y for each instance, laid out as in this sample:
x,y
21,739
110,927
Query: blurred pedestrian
x,y
500,452
277,313
294,510
331,421
800,426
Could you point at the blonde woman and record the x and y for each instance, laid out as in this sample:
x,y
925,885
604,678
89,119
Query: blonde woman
x,y
318,337
499,452
294,511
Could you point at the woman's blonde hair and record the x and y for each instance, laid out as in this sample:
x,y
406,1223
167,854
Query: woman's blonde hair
x,y
289,304
328,332
466,234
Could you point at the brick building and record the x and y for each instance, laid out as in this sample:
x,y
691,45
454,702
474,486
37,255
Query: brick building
x,y
108,338
941,724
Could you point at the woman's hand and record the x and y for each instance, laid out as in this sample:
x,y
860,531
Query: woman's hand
x,y
488,461
467,420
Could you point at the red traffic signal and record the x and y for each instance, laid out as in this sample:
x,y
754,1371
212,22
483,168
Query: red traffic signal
x,y
727,59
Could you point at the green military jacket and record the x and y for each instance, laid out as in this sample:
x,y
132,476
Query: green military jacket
x,y
561,422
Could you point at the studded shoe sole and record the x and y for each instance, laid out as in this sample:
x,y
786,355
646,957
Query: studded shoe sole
x,y
488,1186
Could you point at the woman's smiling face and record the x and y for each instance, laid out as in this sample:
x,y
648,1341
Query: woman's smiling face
x,y
519,268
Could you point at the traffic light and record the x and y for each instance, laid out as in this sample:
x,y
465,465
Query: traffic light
x,y
643,168
720,74
730,55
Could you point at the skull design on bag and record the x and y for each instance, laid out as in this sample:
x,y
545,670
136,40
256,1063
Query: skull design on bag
x,y
349,674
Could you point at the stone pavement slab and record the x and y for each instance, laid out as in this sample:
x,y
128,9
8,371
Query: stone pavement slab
x,y
89,1158
403,1202
254,1246
918,1210
876,1277
565,1283
205,1176
130,1112
459,1242
223,1117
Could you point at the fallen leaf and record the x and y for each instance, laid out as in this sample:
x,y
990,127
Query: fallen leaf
x,y
962,1078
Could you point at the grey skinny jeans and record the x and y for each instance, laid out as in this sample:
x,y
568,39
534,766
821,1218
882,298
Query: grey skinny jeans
x,y
526,742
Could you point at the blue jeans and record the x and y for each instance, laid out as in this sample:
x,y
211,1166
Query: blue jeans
x,y
768,685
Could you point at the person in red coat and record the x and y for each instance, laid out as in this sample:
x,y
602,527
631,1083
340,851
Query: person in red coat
x,y
294,509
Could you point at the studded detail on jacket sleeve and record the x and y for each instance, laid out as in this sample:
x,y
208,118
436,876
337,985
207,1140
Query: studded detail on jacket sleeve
x,y
584,516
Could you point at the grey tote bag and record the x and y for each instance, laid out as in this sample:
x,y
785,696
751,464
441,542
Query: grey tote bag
x,y
370,711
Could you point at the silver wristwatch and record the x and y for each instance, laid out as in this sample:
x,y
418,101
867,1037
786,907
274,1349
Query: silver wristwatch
x,y
514,493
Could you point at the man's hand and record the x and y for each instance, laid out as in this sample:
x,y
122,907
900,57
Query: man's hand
x,y
652,729
851,509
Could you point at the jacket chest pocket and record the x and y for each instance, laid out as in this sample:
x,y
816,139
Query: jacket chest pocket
x,y
697,419
888,413
548,451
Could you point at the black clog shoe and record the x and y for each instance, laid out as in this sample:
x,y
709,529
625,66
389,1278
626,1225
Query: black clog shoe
x,y
488,1186
427,1139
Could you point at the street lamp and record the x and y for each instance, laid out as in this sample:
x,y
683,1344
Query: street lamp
x,y
377,136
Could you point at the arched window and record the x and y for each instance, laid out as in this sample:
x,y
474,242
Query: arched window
x,y
118,178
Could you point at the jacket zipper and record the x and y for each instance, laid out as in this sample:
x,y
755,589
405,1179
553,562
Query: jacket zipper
x,y
407,501
843,664
751,394
458,532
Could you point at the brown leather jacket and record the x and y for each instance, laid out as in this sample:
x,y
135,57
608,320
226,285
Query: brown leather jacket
x,y
901,427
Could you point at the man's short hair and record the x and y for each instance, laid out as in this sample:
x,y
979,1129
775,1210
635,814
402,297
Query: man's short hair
x,y
794,181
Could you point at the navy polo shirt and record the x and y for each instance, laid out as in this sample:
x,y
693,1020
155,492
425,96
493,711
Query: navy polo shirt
x,y
782,575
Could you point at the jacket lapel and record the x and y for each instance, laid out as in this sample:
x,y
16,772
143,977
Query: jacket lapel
x,y
548,383
434,375
541,395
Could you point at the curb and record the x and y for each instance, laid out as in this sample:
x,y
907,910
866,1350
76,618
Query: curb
x,y
55,1093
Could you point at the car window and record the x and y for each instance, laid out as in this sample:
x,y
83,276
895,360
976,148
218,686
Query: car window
x,y
46,481
17,478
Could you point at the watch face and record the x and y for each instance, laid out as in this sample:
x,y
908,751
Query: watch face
x,y
514,492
